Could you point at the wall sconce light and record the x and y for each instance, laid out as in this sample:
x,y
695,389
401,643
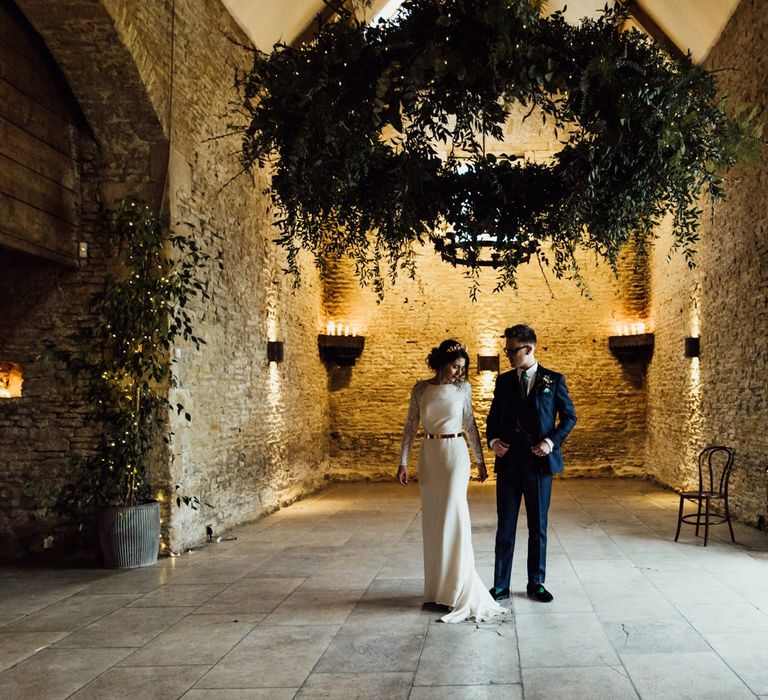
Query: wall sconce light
x,y
341,349
692,347
487,363
275,350
82,250
632,347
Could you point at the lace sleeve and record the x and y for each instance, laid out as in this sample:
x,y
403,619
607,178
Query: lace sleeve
x,y
411,425
470,426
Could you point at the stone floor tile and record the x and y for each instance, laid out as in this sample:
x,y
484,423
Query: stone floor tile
x,y
614,601
179,595
274,656
745,653
563,639
469,654
196,639
242,694
575,683
315,607
683,587
322,536
70,614
601,548
349,686
56,673
159,683
369,652
293,562
725,616
251,595
344,577
570,597
395,608
618,579
16,646
7,619
134,581
701,675
128,627
405,562
467,692
600,571
649,636
245,547
26,596
213,571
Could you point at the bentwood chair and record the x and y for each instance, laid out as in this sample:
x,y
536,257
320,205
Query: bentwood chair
x,y
715,465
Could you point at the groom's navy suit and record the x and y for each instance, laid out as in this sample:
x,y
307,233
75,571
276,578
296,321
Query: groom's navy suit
x,y
546,412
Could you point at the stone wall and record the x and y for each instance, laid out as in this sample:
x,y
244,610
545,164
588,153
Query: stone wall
x,y
155,87
259,433
722,397
369,400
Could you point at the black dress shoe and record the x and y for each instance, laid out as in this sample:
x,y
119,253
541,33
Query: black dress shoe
x,y
498,594
538,592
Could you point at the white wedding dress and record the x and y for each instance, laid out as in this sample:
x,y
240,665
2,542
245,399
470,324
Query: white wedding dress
x,y
449,560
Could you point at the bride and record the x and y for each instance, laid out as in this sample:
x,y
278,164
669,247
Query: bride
x,y
443,405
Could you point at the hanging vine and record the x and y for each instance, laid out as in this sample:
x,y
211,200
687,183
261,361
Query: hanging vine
x,y
363,129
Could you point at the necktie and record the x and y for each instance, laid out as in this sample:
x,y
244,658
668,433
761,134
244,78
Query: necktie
x,y
524,385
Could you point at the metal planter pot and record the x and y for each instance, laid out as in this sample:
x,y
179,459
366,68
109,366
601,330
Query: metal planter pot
x,y
130,535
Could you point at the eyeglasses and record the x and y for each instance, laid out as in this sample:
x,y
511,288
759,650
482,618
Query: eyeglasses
x,y
511,351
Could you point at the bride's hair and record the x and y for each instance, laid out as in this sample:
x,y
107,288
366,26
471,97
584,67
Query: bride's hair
x,y
446,353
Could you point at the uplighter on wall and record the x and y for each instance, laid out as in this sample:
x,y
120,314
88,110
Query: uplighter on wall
x,y
275,351
487,363
692,347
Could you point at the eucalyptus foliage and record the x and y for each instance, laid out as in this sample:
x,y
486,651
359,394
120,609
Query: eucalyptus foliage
x,y
125,356
362,129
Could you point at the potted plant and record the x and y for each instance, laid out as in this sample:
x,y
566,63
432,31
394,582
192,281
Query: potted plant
x,y
125,360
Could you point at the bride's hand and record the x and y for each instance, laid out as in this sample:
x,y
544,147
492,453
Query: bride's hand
x,y
482,473
402,475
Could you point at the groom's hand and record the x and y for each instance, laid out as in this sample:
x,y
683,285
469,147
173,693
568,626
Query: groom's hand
x,y
542,449
500,448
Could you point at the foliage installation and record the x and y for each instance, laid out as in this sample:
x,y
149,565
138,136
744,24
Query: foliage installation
x,y
374,136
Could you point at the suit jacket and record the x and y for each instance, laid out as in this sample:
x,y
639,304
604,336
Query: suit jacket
x,y
554,408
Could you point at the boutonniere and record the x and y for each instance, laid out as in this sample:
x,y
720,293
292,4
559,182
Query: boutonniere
x,y
544,383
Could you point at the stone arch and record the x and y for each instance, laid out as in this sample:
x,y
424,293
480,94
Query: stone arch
x,y
100,49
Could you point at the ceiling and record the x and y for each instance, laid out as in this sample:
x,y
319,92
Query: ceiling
x,y
689,24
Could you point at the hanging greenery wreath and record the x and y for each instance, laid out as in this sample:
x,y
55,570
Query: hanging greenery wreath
x,y
363,129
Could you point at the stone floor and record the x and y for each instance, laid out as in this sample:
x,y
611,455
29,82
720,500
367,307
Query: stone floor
x,y
322,600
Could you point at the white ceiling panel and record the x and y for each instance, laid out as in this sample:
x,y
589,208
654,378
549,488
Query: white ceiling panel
x,y
268,21
690,24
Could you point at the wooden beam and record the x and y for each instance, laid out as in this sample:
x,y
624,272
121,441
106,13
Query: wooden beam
x,y
653,29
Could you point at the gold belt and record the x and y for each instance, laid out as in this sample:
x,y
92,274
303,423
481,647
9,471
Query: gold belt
x,y
441,436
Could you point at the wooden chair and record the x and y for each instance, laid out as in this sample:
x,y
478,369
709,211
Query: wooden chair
x,y
715,465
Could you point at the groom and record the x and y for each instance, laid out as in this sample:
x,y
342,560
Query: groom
x,y
523,433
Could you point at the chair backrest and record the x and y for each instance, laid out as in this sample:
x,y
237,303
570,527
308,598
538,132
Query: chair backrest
x,y
715,464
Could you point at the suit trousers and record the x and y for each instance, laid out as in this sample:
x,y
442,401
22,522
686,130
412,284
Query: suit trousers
x,y
522,480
